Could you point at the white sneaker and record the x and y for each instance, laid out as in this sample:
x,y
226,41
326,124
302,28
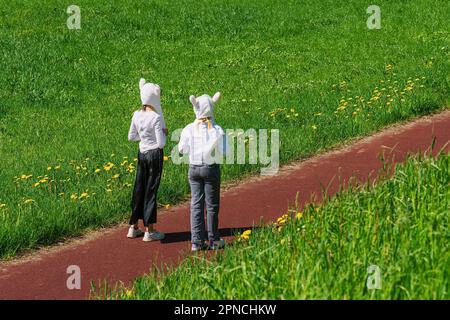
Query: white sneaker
x,y
134,233
153,236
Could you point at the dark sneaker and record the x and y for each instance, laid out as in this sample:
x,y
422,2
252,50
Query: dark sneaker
x,y
216,245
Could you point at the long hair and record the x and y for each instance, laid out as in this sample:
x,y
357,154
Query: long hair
x,y
145,106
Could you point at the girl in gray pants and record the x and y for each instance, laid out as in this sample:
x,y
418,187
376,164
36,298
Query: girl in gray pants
x,y
200,139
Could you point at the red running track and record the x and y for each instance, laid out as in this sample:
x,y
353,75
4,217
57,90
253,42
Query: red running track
x,y
109,255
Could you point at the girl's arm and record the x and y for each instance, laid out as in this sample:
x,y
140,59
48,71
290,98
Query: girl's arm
x,y
163,122
183,144
133,134
160,136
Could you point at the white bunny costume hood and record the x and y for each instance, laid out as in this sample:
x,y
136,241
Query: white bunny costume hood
x,y
204,105
151,95
199,140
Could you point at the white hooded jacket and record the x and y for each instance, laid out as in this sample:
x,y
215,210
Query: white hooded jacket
x,y
147,126
203,136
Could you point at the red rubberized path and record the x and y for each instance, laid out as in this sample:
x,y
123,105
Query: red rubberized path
x,y
116,258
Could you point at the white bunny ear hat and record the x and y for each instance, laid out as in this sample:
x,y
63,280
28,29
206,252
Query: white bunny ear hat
x,y
204,105
150,93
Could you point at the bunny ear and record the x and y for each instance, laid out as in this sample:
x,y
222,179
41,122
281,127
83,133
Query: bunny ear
x,y
141,83
193,100
216,97
158,90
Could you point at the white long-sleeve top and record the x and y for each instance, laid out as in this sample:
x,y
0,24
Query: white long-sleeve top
x,y
146,127
199,141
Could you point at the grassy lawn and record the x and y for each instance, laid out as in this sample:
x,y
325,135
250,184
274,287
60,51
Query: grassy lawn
x,y
311,69
401,226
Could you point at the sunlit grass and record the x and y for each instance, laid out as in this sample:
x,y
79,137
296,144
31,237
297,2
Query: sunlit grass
x,y
312,70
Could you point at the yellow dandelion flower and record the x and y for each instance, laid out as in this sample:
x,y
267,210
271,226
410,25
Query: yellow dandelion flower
x,y
58,167
28,201
74,196
97,170
299,215
128,293
166,158
49,168
283,241
116,176
314,127
167,206
2,205
283,219
36,184
108,190
247,233
83,196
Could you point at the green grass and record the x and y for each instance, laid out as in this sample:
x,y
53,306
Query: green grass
x,y
68,95
400,225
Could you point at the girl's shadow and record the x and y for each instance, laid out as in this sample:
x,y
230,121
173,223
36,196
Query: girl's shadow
x,y
186,236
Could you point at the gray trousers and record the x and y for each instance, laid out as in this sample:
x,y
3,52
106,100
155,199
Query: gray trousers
x,y
205,189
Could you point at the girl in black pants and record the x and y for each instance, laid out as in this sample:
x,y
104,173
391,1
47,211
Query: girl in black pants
x,y
147,127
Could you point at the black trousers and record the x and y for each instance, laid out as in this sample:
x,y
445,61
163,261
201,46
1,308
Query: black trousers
x,y
148,178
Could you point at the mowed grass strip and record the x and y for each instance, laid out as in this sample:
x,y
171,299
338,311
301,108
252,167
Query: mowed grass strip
x,y
313,70
400,225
